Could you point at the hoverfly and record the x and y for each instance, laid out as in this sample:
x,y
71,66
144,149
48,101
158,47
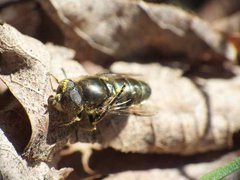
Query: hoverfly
x,y
91,97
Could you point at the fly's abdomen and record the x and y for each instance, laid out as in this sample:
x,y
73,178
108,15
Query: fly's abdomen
x,y
135,91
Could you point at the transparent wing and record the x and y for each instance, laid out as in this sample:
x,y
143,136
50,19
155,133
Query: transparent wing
x,y
138,110
119,75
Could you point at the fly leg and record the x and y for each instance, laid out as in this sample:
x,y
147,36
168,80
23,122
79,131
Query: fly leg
x,y
75,120
88,129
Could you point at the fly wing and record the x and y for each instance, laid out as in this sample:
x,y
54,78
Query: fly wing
x,y
122,107
138,110
118,75
143,110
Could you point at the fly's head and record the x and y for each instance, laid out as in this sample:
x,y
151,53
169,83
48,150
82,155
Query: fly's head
x,y
68,98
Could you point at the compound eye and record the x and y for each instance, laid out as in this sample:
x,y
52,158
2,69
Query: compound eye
x,y
75,96
70,85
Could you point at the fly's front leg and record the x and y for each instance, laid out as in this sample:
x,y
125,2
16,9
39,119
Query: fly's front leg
x,y
76,120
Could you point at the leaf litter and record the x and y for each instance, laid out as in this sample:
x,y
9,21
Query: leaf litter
x,y
110,30
193,114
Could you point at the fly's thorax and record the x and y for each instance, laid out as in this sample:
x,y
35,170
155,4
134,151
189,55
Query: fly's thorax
x,y
94,91
68,98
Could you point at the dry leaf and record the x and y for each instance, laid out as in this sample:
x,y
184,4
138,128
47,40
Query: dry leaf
x,y
217,9
131,29
25,64
15,124
12,166
13,15
229,24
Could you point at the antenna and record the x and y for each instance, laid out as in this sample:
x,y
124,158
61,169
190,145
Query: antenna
x,y
64,73
54,77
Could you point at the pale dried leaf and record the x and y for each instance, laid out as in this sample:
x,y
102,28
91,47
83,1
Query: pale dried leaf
x,y
224,110
24,66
